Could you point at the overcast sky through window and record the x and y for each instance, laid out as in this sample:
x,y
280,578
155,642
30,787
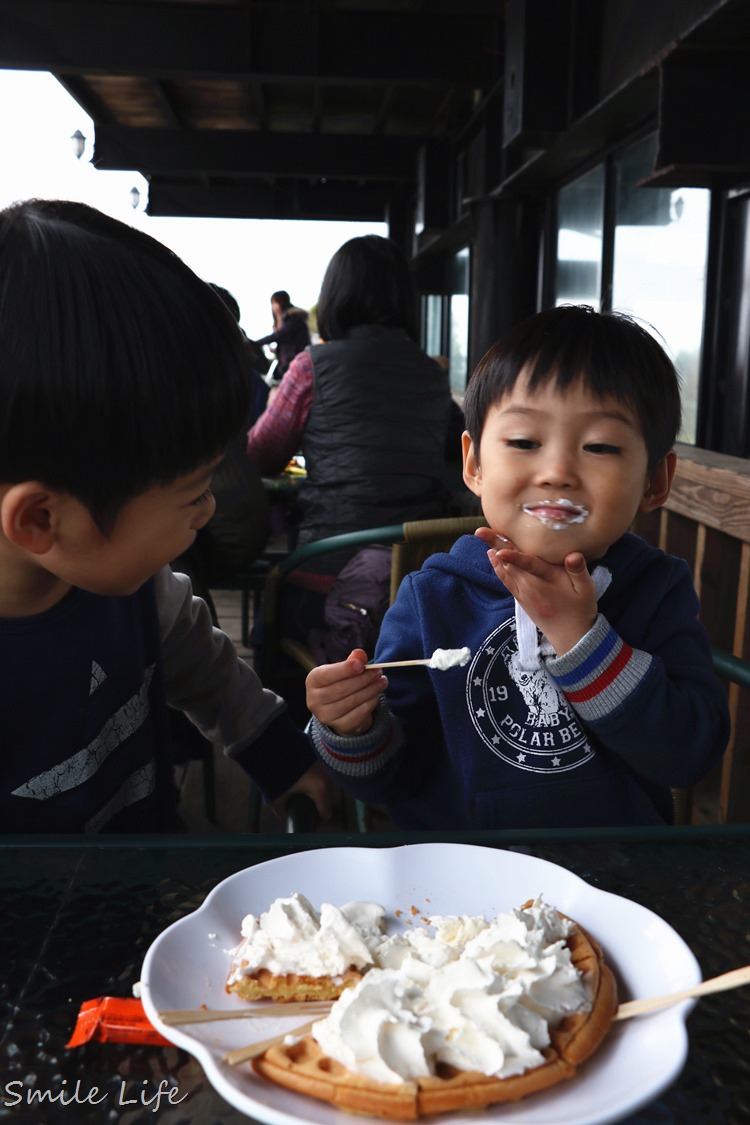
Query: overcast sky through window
x,y
250,257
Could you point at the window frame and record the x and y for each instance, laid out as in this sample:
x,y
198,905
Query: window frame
x,y
708,411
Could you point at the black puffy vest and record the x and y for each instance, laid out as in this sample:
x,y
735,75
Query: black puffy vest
x,y
374,442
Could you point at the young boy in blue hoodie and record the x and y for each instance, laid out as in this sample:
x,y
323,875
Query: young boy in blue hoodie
x,y
590,690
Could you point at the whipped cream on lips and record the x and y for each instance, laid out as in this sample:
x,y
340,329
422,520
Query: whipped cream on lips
x,y
556,514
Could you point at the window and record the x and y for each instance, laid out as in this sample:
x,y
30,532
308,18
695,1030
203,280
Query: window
x,y
458,320
580,222
659,265
648,260
432,324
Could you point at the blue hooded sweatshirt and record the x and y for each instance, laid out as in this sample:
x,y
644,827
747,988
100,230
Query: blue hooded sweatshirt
x,y
595,737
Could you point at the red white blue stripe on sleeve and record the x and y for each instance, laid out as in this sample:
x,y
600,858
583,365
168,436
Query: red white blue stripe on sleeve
x,y
600,672
357,755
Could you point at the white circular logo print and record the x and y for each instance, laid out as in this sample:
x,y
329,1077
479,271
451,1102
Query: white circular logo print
x,y
522,716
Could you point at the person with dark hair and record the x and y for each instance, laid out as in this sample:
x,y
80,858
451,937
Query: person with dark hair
x,y
110,431
368,282
367,408
589,691
290,335
238,531
259,364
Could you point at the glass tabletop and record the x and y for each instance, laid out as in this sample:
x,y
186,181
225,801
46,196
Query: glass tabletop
x,y
79,916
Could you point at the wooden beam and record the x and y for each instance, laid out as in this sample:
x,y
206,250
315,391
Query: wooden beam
x,y
157,40
701,141
235,40
714,489
285,199
243,153
537,62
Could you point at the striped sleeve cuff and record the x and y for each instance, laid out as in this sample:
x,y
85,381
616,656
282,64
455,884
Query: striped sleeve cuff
x,y
357,756
600,672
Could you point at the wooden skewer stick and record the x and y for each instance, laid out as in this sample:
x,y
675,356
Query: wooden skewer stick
x,y
442,659
401,663
243,1054
734,979
211,1015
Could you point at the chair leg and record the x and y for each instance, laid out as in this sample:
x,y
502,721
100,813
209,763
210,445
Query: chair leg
x,y
363,816
255,809
245,616
683,805
209,783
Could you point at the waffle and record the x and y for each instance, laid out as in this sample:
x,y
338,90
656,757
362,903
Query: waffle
x,y
288,987
294,953
303,1067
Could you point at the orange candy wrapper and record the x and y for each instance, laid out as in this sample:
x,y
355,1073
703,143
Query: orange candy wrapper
x,y
110,1019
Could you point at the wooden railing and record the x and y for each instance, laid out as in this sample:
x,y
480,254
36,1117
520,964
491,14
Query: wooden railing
x,y
707,522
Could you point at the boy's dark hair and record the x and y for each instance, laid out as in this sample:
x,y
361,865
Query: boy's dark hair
x,y
119,369
368,281
612,353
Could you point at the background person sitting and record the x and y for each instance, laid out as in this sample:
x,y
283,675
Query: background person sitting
x,y
368,409
238,531
259,362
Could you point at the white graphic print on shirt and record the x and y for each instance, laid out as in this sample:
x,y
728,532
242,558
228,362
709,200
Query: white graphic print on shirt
x,y
135,788
522,716
79,767
98,676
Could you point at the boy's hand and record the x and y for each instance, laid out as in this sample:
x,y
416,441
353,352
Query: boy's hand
x,y
343,696
316,784
559,598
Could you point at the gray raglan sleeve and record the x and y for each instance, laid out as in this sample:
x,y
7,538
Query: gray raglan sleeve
x,y
204,674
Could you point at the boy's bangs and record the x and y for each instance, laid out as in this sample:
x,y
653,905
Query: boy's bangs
x,y
576,362
130,371
610,353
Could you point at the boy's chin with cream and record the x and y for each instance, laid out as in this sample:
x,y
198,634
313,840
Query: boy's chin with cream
x,y
554,529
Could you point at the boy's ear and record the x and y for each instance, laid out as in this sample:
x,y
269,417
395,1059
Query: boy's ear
x,y
472,470
27,516
659,484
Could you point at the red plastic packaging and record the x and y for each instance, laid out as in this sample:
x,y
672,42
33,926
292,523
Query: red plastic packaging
x,y
111,1019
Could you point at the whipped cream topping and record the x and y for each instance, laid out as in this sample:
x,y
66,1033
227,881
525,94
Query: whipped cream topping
x,y
293,937
478,994
444,658
556,514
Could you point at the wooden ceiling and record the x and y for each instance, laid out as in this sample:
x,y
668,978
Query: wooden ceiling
x,y
265,108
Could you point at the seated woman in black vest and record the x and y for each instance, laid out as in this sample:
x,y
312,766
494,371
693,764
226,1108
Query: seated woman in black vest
x,y
368,409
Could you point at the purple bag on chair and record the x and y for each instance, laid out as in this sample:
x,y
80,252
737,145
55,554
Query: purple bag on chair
x,y
355,606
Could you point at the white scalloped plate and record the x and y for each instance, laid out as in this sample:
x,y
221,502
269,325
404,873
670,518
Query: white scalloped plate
x,y
187,965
